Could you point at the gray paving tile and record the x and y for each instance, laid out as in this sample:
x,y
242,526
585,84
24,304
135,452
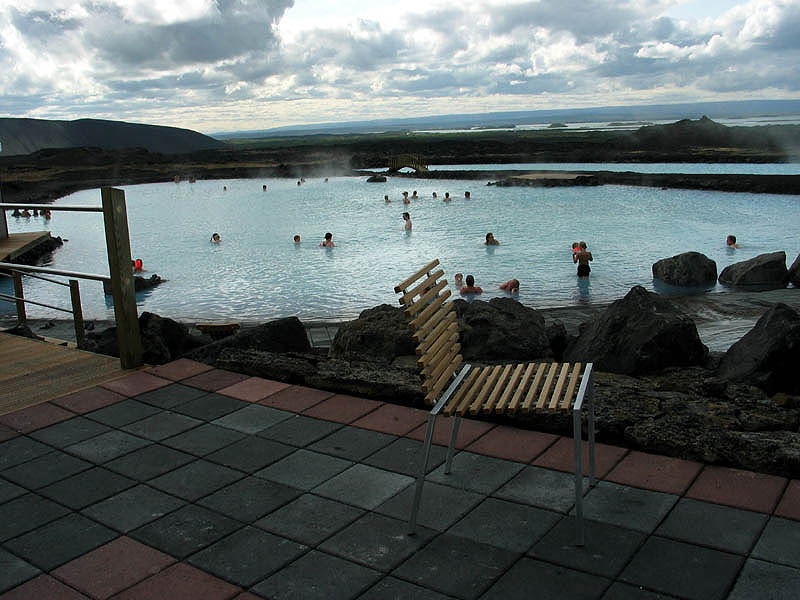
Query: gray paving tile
x,y
250,454
764,580
195,480
363,486
505,524
9,490
780,543
299,430
247,556
540,487
14,571
682,569
551,582
19,450
606,551
391,588
162,425
87,487
714,525
27,512
310,519
250,498
210,407
404,455
69,432
185,531
133,508
203,440
252,418
123,412
352,443
440,507
476,472
377,542
148,462
171,395
304,469
45,470
628,507
107,446
625,591
464,568
318,576
60,541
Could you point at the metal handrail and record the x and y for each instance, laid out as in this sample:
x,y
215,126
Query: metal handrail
x,y
32,269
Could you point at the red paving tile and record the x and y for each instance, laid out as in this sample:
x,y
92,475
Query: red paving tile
x,y
35,417
392,418
654,472
561,456
214,380
296,398
342,408
136,383
469,431
180,369
253,389
789,506
43,587
510,443
112,568
739,488
88,400
247,596
180,582
6,433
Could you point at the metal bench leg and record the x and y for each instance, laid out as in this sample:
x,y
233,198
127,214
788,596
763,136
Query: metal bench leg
x,y
453,436
426,451
576,434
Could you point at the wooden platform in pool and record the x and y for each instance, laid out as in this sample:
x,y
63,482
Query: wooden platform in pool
x,y
17,244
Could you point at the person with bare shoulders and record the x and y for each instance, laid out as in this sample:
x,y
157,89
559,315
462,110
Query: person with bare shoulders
x,y
414,195
459,280
407,219
582,257
512,286
490,241
731,242
471,288
386,199
328,241
447,197
296,239
215,238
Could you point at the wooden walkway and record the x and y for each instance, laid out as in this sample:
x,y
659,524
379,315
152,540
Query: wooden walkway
x,y
19,243
34,371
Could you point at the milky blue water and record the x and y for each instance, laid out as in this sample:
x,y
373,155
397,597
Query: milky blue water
x,y
258,273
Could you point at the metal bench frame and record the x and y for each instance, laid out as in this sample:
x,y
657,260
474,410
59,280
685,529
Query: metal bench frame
x,y
471,391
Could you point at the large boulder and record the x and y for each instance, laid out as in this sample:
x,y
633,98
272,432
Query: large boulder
x,y
766,271
687,269
640,333
378,334
794,272
501,330
163,340
768,355
139,283
281,335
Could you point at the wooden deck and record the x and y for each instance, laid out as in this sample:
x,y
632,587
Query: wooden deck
x,y
19,243
34,371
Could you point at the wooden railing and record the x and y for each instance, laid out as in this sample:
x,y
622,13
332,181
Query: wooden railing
x,y
118,250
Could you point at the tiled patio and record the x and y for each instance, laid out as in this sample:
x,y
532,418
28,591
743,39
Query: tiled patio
x,y
191,482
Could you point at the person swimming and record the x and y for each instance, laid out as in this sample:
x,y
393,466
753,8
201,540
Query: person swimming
x,y
407,219
490,241
466,196
386,199
447,197
582,257
730,241
296,239
414,195
434,195
405,198
215,238
512,286
328,241
459,280
471,288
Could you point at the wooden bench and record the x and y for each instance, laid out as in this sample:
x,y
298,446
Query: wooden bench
x,y
455,389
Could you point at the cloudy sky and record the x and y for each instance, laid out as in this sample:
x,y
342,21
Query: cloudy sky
x,y
225,65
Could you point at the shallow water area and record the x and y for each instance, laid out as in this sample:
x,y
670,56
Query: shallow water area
x,y
258,273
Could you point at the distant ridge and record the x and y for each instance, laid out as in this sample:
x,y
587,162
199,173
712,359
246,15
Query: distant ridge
x,y
24,136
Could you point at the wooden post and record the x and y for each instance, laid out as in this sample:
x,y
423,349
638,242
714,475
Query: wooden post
x,y
77,311
122,287
19,293
3,221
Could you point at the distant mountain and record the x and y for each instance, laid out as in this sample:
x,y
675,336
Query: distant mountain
x,y
653,112
24,136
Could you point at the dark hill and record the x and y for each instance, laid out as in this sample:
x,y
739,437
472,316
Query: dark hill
x,y
24,136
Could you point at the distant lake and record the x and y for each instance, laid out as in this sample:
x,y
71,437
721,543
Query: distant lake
x,y
257,273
